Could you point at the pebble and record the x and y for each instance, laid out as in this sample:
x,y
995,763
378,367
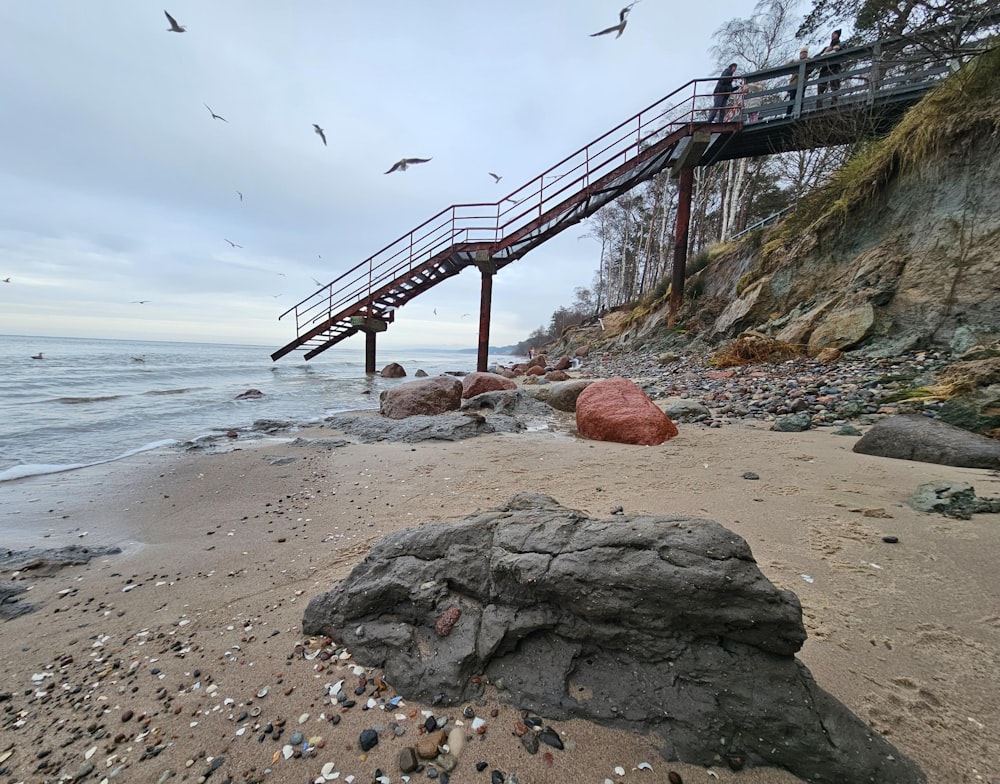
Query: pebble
x,y
550,737
368,740
890,539
296,738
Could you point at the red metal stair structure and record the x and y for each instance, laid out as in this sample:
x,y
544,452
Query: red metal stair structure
x,y
879,82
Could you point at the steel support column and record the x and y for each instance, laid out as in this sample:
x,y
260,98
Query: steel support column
x,y
369,351
488,269
685,187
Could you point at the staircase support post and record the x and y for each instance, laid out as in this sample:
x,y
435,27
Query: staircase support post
x,y
488,269
370,351
685,187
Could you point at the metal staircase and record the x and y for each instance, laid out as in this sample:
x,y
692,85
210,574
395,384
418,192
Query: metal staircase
x,y
878,83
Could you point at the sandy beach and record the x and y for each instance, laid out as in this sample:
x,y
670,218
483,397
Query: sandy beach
x,y
146,666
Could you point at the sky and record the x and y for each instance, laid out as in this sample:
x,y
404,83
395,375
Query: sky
x,y
118,189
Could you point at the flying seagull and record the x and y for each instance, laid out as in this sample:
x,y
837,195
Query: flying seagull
x,y
214,115
174,27
233,243
318,283
238,193
404,163
496,177
620,27
319,131
5,280
139,302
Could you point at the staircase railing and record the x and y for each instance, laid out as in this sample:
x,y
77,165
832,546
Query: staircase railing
x,y
485,224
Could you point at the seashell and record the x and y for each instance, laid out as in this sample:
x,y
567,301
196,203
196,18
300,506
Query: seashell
x,y
712,773
90,752
327,769
255,711
287,751
263,692
644,766
619,770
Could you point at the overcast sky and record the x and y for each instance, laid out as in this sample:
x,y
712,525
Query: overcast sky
x,y
117,185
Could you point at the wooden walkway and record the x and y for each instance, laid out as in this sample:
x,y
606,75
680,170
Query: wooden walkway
x,y
877,84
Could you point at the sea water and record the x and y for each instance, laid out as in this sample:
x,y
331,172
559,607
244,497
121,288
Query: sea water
x,y
90,401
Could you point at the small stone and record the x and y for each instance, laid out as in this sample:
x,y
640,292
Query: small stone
x,y
481,766
674,777
407,760
368,740
296,738
530,742
127,716
750,475
427,746
447,762
456,741
735,761
469,713
890,539
550,737
496,777
432,772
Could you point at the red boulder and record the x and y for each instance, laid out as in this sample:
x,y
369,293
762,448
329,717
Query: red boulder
x,y
476,383
615,409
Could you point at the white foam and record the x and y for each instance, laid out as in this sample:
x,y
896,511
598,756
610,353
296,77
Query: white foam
x,y
22,471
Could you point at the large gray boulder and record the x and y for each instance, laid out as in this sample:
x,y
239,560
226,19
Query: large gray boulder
x,y
453,426
636,622
917,437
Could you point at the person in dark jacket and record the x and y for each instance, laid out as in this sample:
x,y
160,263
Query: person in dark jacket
x,y
828,71
723,90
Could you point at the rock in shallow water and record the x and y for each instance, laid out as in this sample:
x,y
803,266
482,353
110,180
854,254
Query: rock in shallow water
x,y
550,597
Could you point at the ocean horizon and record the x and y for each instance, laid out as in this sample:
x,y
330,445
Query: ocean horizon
x,y
66,403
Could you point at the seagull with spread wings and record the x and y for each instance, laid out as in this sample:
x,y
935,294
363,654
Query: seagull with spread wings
x,y
622,21
214,115
240,194
233,243
319,132
496,177
174,27
404,163
5,280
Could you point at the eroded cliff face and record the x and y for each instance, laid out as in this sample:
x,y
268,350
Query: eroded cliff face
x,y
916,266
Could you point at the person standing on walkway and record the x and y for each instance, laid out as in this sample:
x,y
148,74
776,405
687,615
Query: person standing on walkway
x,y
793,80
723,90
828,73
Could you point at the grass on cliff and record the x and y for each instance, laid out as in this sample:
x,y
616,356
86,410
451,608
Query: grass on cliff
x,y
964,105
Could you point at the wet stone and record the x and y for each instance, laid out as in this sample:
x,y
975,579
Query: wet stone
x,y
496,777
550,737
530,742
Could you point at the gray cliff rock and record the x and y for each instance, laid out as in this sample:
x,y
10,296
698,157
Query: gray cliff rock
x,y
645,623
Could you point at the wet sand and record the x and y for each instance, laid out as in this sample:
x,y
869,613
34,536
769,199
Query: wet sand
x,y
146,660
